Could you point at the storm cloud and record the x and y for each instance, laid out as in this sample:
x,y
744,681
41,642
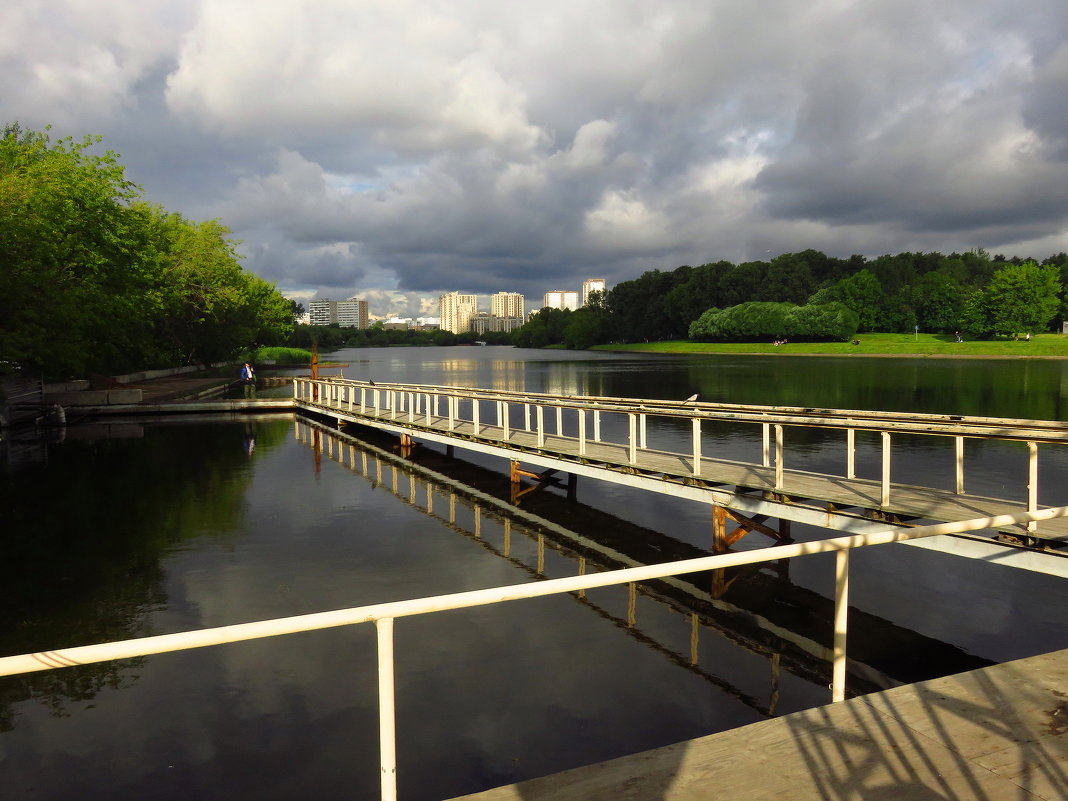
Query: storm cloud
x,y
395,149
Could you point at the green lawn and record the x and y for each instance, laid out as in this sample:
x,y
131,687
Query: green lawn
x,y
1047,345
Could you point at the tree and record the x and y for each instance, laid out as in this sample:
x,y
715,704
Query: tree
x,y
96,280
863,294
1023,298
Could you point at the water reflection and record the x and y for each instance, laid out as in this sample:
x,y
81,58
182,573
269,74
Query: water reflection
x,y
756,607
82,555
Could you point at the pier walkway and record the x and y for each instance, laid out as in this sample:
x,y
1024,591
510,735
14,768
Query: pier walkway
x,y
991,734
611,439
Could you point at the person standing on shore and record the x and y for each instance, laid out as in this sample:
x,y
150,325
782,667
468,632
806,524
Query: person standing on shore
x,y
248,376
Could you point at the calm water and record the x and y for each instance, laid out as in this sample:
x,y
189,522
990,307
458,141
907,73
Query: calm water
x,y
135,529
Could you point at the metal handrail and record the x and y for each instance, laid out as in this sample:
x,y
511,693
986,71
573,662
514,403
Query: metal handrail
x,y
870,420
400,400
383,615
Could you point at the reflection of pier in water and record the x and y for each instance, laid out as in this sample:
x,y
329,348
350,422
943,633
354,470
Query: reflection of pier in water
x,y
758,609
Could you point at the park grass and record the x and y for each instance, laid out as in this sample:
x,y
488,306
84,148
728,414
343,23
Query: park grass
x,y
281,355
1041,345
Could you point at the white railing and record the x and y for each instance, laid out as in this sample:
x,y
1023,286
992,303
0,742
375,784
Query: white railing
x,y
383,615
420,406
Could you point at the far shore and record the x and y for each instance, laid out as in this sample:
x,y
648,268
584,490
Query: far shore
x,y
927,346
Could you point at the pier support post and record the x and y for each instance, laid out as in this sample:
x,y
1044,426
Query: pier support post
x,y
572,487
719,529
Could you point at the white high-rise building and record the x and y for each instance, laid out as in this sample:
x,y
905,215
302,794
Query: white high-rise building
x,y
352,313
456,311
507,304
322,312
560,299
592,285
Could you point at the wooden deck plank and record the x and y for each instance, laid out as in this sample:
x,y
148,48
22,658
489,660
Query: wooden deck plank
x,y
989,734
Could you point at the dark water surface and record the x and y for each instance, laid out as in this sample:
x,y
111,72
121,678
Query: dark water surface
x,y
135,529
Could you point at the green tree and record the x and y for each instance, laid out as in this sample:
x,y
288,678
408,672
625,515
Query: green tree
x,y
863,294
1023,298
96,280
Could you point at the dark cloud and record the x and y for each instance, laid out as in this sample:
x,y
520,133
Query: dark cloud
x,y
398,150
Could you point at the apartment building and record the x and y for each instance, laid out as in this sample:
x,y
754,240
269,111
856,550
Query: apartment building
x,y
322,312
592,285
352,313
456,311
560,299
507,304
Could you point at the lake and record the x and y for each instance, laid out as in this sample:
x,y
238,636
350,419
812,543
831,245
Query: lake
x,y
136,528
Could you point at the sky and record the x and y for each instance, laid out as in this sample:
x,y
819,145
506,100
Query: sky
x,y
397,149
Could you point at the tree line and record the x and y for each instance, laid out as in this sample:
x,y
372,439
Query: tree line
x,y
98,280
974,293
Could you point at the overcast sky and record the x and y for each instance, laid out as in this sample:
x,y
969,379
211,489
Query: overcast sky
x,y
395,149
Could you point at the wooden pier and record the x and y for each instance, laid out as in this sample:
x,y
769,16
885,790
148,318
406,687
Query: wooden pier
x,y
992,734
565,434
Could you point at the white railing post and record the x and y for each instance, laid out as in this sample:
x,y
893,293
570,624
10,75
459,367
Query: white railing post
x,y
596,425
526,416
474,414
412,404
429,418
885,494
504,419
641,431
559,421
296,389
540,417
765,448
632,423
450,404
696,446
1032,482
582,431
387,712
959,459
778,457
841,613
851,453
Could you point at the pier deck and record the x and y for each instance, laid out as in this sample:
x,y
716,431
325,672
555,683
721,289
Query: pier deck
x,y
995,733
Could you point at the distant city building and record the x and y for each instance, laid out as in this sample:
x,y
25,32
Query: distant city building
x,y
560,299
352,313
397,323
427,324
592,285
322,312
483,323
507,304
456,311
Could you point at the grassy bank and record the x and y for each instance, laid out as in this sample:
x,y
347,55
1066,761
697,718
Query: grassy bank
x,y
1042,345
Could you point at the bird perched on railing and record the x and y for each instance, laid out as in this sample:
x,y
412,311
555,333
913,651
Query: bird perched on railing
x,y
691,399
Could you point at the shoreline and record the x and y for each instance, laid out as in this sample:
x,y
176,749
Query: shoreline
x,y
832,355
